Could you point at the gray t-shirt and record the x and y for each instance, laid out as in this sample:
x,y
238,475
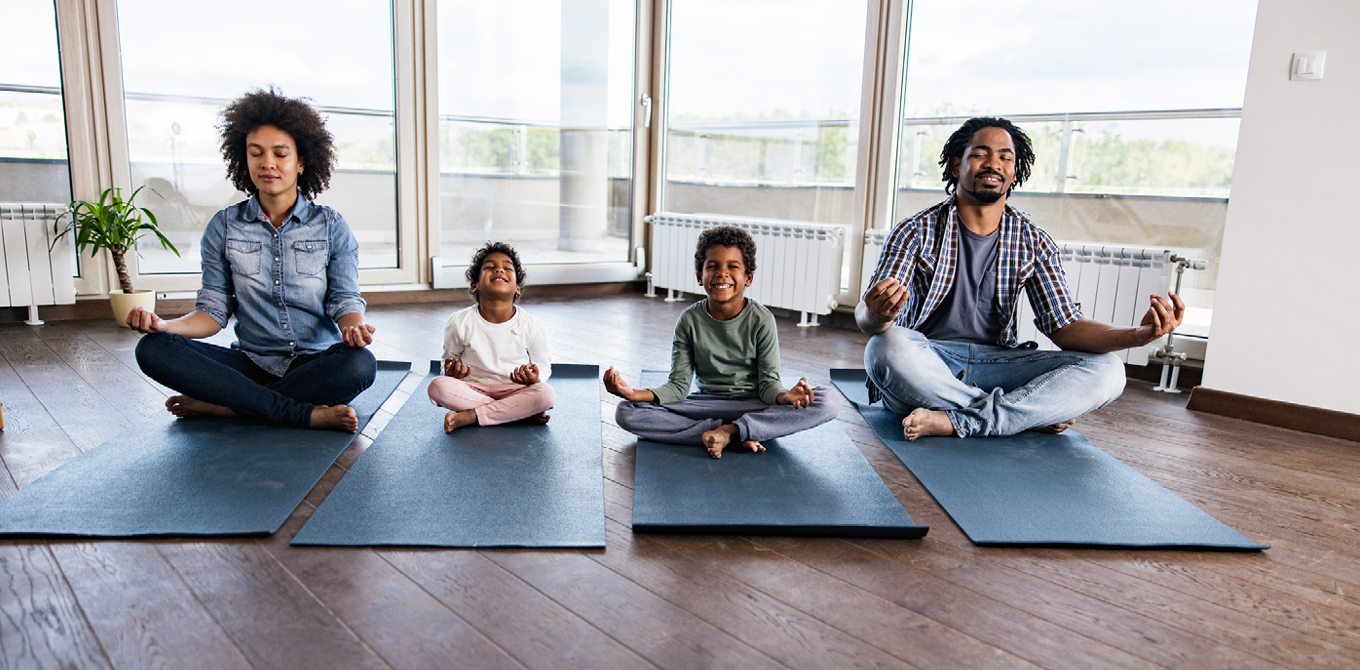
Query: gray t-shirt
x,y
970,312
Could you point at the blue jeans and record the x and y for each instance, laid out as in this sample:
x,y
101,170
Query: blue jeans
x,y
989,390
228,378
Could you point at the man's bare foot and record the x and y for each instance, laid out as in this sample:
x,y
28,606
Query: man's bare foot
x,y
717,439
455,420
182,406
335,417
1053,429
924,422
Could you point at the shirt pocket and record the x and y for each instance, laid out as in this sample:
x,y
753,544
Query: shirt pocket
x,y
310,256
244,256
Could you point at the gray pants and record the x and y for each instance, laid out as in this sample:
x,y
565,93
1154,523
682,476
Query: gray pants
x,y
686,421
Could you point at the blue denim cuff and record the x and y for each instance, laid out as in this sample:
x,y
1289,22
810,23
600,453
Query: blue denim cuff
x,y
348,306
215,304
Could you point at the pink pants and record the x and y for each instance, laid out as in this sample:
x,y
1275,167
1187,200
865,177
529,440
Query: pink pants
x,y
493,403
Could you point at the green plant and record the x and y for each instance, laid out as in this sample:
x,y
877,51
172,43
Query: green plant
x,y
112,223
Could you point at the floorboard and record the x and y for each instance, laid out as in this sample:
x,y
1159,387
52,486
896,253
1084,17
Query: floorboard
x,y
678,601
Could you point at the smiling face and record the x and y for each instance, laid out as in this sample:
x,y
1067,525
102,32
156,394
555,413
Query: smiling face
x,y
987,169
271,155
496,277
724,276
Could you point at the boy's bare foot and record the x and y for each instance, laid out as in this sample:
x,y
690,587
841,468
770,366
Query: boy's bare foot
x,y
717,439
182,406
1053,429
752,445
924,422
455,420
335,417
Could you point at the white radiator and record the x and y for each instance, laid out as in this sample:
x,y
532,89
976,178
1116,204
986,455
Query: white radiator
x,y
34,276
798,264
1111,282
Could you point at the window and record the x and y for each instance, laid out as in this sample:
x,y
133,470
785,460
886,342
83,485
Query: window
x,y
184,60
763,111
535,128
1134,130
33,165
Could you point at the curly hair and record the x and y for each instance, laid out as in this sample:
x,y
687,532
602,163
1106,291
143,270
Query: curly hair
x,y
475,267
315,145
725,236
958,143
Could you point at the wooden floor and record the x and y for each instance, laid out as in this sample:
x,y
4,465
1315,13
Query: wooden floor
x,y
680,602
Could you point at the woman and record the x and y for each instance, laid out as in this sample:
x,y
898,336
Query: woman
x,y
287,268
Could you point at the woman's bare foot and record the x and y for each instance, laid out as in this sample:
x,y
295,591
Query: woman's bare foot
x,y
455,420
717,439
335,417
182,406
1053,429
924,422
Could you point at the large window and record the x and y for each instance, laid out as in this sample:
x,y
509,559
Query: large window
x,y
536,108
763,110
1134,128
184,59
33,164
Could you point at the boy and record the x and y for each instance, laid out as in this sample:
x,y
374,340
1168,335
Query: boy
x,y
732,344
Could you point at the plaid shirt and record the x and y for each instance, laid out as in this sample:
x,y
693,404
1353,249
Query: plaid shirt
x,y
923,253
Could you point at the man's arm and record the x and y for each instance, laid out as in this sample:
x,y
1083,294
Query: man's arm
x,y
880,306
1101,338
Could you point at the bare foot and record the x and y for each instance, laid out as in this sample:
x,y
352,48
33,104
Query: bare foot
x,y
924,422
717,439
335,417
1053,429
752,445
455,420
540,418
182,406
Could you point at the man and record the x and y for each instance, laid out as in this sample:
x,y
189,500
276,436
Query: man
x,y
942,308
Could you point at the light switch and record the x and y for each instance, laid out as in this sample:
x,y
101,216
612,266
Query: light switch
x,y
1307,65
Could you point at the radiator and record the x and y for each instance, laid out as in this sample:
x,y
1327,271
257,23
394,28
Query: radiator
x,y
34,276
798,264
1111,282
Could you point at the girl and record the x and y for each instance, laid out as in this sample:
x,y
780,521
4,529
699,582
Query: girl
x,y
493,350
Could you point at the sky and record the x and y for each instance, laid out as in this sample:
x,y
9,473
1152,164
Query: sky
x,y
730,58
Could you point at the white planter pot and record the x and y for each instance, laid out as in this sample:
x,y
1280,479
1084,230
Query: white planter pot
x,y
124,302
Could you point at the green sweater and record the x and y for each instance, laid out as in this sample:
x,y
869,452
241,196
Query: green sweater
x,y
738,357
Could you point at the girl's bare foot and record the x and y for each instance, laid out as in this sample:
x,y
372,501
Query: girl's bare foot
x,y
1053,429
335,417
182,406
717,439
924,422
540,418
455,420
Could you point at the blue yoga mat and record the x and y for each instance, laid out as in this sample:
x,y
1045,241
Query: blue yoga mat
x,y
1039,489
513,485
196,476
813,483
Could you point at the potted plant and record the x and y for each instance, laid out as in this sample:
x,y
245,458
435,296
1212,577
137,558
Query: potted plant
x,y
113,224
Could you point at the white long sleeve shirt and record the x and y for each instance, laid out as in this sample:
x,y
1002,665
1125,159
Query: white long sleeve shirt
x,y
493,350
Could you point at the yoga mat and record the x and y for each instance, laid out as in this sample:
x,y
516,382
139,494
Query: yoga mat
x,y
513,485
813,483
1038,489
195,476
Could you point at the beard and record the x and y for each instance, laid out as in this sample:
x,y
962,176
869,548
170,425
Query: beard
x,y
985,197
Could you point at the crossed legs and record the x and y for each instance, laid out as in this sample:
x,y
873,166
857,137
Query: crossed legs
x,y
490,404
751,419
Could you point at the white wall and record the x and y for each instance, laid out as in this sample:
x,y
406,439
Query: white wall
x,y
1287,313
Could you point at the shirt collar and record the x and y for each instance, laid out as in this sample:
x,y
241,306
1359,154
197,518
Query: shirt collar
x,y
300,209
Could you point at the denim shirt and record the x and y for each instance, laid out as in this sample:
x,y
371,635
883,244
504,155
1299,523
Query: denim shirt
x,y
287,287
